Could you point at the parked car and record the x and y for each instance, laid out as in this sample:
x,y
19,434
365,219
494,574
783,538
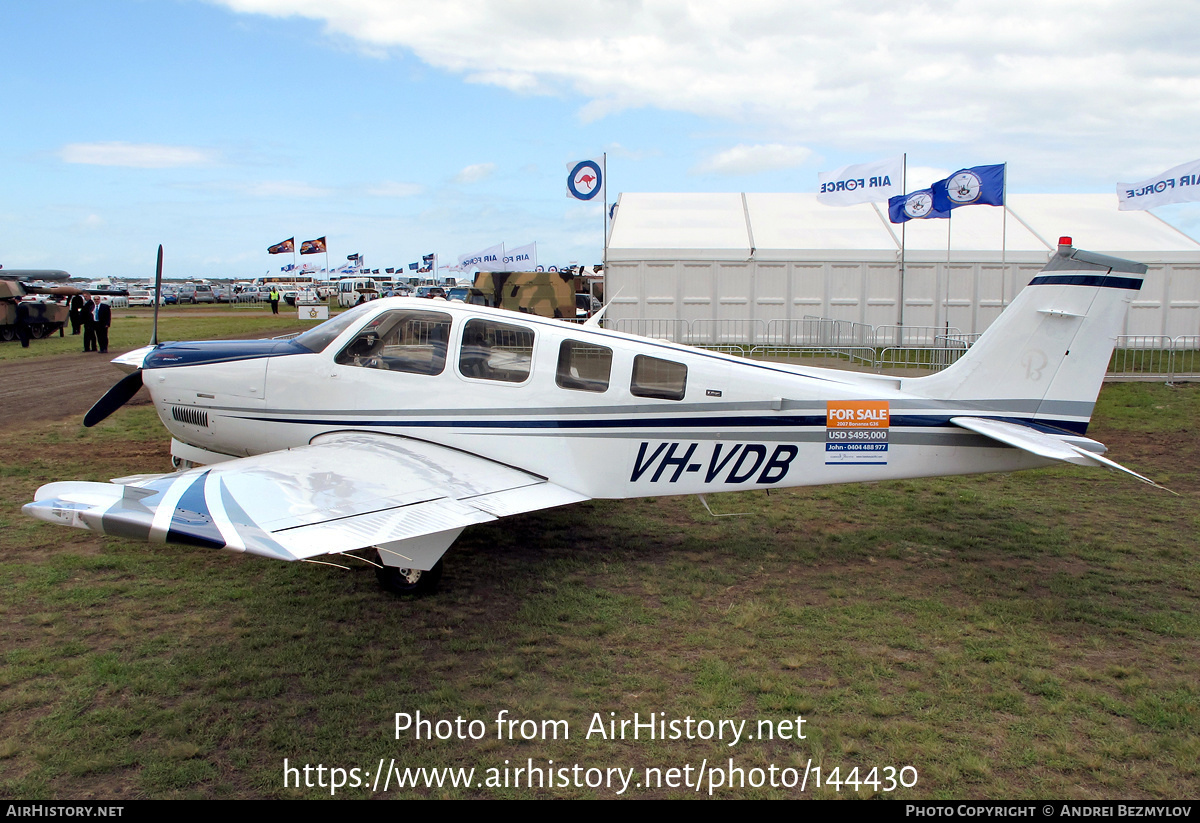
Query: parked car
x,y
143,297
467,294
585,305
197,293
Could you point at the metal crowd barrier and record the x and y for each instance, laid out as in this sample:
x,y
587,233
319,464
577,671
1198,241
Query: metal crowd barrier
x,y
930,348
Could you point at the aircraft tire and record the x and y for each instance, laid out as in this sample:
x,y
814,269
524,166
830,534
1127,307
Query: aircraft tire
x,y
409,581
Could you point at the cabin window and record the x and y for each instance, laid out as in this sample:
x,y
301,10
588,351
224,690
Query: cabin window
x,y
658,378
496,351
405,341
583,366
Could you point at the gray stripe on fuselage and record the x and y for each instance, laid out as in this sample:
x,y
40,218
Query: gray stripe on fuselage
x,y
952,437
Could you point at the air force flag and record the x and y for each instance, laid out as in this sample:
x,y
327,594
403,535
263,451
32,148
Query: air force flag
x,y
522,258
864,183
1178,185
490,259
978,186
585,179
914,206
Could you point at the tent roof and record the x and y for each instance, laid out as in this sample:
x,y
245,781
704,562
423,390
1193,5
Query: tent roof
x,y
728,226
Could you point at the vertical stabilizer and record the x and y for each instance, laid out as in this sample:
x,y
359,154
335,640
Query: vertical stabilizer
x,y
1046,355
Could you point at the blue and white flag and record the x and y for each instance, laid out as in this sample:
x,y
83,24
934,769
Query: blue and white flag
x,y
978,186
916,205
585,179
864,183
1178,185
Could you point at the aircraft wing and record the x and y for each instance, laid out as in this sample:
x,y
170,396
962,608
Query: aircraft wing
x,y
1042,444
344,491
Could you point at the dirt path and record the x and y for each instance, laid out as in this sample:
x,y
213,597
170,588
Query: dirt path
x,y
62,385
51,388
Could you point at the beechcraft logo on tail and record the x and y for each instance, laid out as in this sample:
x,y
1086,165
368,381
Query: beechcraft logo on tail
x,y
856,432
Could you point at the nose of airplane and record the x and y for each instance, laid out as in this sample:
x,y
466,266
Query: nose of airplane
x,y
131,361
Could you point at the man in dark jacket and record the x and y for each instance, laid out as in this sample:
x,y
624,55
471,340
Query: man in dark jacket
x,y
22,322
102,318
89,323
76,312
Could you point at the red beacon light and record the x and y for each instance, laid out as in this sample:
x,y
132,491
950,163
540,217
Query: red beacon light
x,y
1064,241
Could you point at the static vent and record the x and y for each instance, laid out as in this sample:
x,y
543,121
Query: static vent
x,y
195,417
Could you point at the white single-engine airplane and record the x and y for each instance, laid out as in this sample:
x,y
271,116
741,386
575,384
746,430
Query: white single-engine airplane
x,y
397,424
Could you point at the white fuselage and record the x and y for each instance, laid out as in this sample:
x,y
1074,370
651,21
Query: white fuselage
x,y
738,424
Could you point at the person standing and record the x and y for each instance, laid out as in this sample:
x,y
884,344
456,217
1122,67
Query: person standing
x,y
274,296
21,321
102,318
78,305
89,323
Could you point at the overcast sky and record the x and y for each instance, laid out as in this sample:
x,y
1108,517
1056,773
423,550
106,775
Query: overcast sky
x,y
398,128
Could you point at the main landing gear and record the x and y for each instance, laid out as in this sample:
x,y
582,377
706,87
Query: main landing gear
x,y
408,581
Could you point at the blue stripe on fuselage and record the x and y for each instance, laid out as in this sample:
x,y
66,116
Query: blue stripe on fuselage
x,y
680,423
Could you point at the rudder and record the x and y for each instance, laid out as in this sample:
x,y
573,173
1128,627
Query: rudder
x,y
1046,355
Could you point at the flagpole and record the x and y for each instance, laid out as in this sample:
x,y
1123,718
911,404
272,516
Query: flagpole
x,y
903,239
946,302
1004,235
604,215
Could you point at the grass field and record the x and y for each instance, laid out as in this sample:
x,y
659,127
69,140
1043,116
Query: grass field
x,y
1030,635
132,328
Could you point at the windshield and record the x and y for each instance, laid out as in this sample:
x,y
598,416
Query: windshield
x,y
316,339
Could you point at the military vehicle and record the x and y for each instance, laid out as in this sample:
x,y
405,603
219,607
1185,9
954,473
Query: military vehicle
x,y
45,317
546,293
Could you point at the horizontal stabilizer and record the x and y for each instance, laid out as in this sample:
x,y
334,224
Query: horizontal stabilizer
x,y
1043,445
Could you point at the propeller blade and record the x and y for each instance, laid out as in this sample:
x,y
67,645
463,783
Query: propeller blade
x,y
114,398
157,296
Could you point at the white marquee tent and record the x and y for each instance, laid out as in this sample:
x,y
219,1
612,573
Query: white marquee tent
x,y
779,256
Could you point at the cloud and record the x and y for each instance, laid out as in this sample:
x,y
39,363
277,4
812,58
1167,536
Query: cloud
x,y
393,189
1114,80
922,177
475,173
744,159
137,155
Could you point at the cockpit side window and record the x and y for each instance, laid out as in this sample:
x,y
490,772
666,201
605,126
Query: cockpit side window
x,y
405,341
318,337
583,366
663,379
496,351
